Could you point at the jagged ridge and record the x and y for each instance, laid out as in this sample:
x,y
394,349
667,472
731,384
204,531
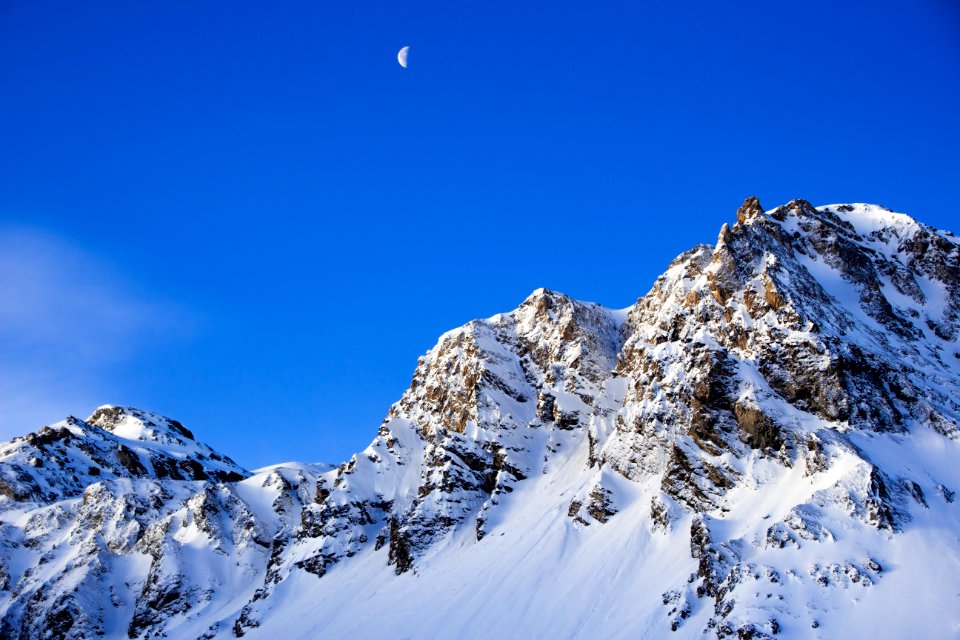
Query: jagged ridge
x,y
753,444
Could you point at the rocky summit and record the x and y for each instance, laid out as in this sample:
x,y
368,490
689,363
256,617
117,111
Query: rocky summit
x,y
764,445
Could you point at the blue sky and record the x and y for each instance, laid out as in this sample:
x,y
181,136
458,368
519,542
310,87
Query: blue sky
x,y
248,216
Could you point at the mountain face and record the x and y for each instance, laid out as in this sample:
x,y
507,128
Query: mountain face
x,y
764,445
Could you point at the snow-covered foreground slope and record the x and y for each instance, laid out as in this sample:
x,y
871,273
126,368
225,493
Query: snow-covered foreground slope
x,y
763,445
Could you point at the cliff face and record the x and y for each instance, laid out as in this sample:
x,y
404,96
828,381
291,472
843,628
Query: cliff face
x,y
762,445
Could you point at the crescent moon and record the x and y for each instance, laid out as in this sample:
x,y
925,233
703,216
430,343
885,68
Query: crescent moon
x,y
402,57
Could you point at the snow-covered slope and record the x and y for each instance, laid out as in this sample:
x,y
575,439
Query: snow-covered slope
x,y
763,445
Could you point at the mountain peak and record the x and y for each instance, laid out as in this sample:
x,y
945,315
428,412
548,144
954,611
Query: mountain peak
x,y
62,459
749,209
770,431
135,424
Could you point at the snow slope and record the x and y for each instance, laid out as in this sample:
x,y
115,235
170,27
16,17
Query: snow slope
x,y
763,445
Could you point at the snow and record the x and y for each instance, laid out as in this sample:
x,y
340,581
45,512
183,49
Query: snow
x,y
545,478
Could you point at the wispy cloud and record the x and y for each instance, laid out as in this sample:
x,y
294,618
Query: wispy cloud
x,y
66,318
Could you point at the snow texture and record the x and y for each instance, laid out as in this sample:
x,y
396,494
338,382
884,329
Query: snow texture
x,y
764,445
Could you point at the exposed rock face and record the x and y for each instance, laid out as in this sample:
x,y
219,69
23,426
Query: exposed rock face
x,y
115,442
750,441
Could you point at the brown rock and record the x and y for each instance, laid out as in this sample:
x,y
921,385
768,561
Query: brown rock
x,y
749,209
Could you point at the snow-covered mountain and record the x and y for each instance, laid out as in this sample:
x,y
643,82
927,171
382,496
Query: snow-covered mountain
x,y
765,444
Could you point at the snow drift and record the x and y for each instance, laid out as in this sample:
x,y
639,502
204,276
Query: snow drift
x,y
764,445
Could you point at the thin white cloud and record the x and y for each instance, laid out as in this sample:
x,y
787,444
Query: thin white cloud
x,y
66,318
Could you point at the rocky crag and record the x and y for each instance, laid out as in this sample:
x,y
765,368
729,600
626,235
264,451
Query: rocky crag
x,y
763,445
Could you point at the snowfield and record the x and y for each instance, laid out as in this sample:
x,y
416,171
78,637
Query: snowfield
x,y
763,446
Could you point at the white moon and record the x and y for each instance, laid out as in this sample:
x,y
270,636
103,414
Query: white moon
x,y
402,57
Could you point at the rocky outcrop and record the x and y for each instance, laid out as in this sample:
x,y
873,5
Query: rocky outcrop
x,y
760,418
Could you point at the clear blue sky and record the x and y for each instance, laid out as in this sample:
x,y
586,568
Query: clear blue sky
x,y
248,216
